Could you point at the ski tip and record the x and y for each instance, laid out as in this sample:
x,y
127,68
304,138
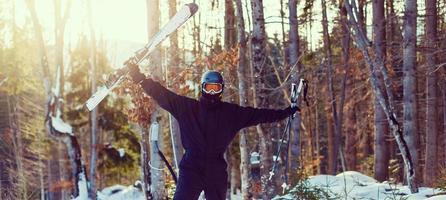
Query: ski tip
x,y
193,7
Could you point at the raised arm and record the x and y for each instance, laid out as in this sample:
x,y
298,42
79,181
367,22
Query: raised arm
x,y
248,116
165,98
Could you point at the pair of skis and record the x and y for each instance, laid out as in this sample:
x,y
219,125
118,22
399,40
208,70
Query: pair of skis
x,y
185,13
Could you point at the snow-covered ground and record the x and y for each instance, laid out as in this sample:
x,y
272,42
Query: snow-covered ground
x,y
352,185
349,185
119,192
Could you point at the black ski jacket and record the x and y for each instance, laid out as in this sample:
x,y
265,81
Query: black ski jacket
x,y
207,128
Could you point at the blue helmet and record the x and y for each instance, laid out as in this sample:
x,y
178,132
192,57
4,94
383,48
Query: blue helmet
x,y
211,78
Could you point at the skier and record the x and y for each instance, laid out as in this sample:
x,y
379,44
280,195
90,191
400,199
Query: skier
x,y
207,127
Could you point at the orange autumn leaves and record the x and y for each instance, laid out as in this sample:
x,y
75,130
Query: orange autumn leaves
x,y
143,105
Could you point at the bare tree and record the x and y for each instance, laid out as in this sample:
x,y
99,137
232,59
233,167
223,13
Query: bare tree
x,y
293,62
145,168
242,71
259,68
336,140
381,159
362,15
18,136
60,20
156,163
53,163
93,113
230,34
430,169
410,115
17,144
174,63
55,126
350,135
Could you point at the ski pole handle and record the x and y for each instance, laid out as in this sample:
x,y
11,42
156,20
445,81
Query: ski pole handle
x,y
294,95
295,92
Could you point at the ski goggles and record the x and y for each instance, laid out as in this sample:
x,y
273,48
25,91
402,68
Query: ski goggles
x,y
212,88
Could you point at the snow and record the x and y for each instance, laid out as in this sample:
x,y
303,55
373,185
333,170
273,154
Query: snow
x,y
61,126
352,185
119,192
83,191
439,197
121,152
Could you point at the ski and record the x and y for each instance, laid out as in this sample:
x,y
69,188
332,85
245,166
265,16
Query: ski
x,y
186,12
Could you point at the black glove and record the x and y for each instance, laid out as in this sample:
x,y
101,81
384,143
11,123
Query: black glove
x,y
134,72
294,109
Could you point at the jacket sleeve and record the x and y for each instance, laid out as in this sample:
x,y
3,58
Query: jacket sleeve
x,y
248,116
165,98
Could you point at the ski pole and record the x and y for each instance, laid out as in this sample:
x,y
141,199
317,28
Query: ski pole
x,y
295,92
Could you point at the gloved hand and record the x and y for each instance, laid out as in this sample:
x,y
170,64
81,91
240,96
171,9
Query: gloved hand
x,y
134,72
294,109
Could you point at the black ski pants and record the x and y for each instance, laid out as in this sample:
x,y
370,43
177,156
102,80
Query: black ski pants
x,y
191,182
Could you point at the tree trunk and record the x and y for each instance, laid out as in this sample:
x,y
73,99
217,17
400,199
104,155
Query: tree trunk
x,y
293,63
351,141
230,39
235,173
94,112
430,169
178,149
53,123
54,172
2,177
145,168
18,135
320,155
173,38
381,159
332,98
60,22
394,40
410,116
284,41
41,173
17,144
53,168
350,148
293,35
153,21
230,34
77,168
174,63
156,163
258,61
331,168
362,15
60,19
242,71
443,93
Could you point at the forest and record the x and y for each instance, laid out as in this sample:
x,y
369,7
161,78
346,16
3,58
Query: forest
x,y
373,104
